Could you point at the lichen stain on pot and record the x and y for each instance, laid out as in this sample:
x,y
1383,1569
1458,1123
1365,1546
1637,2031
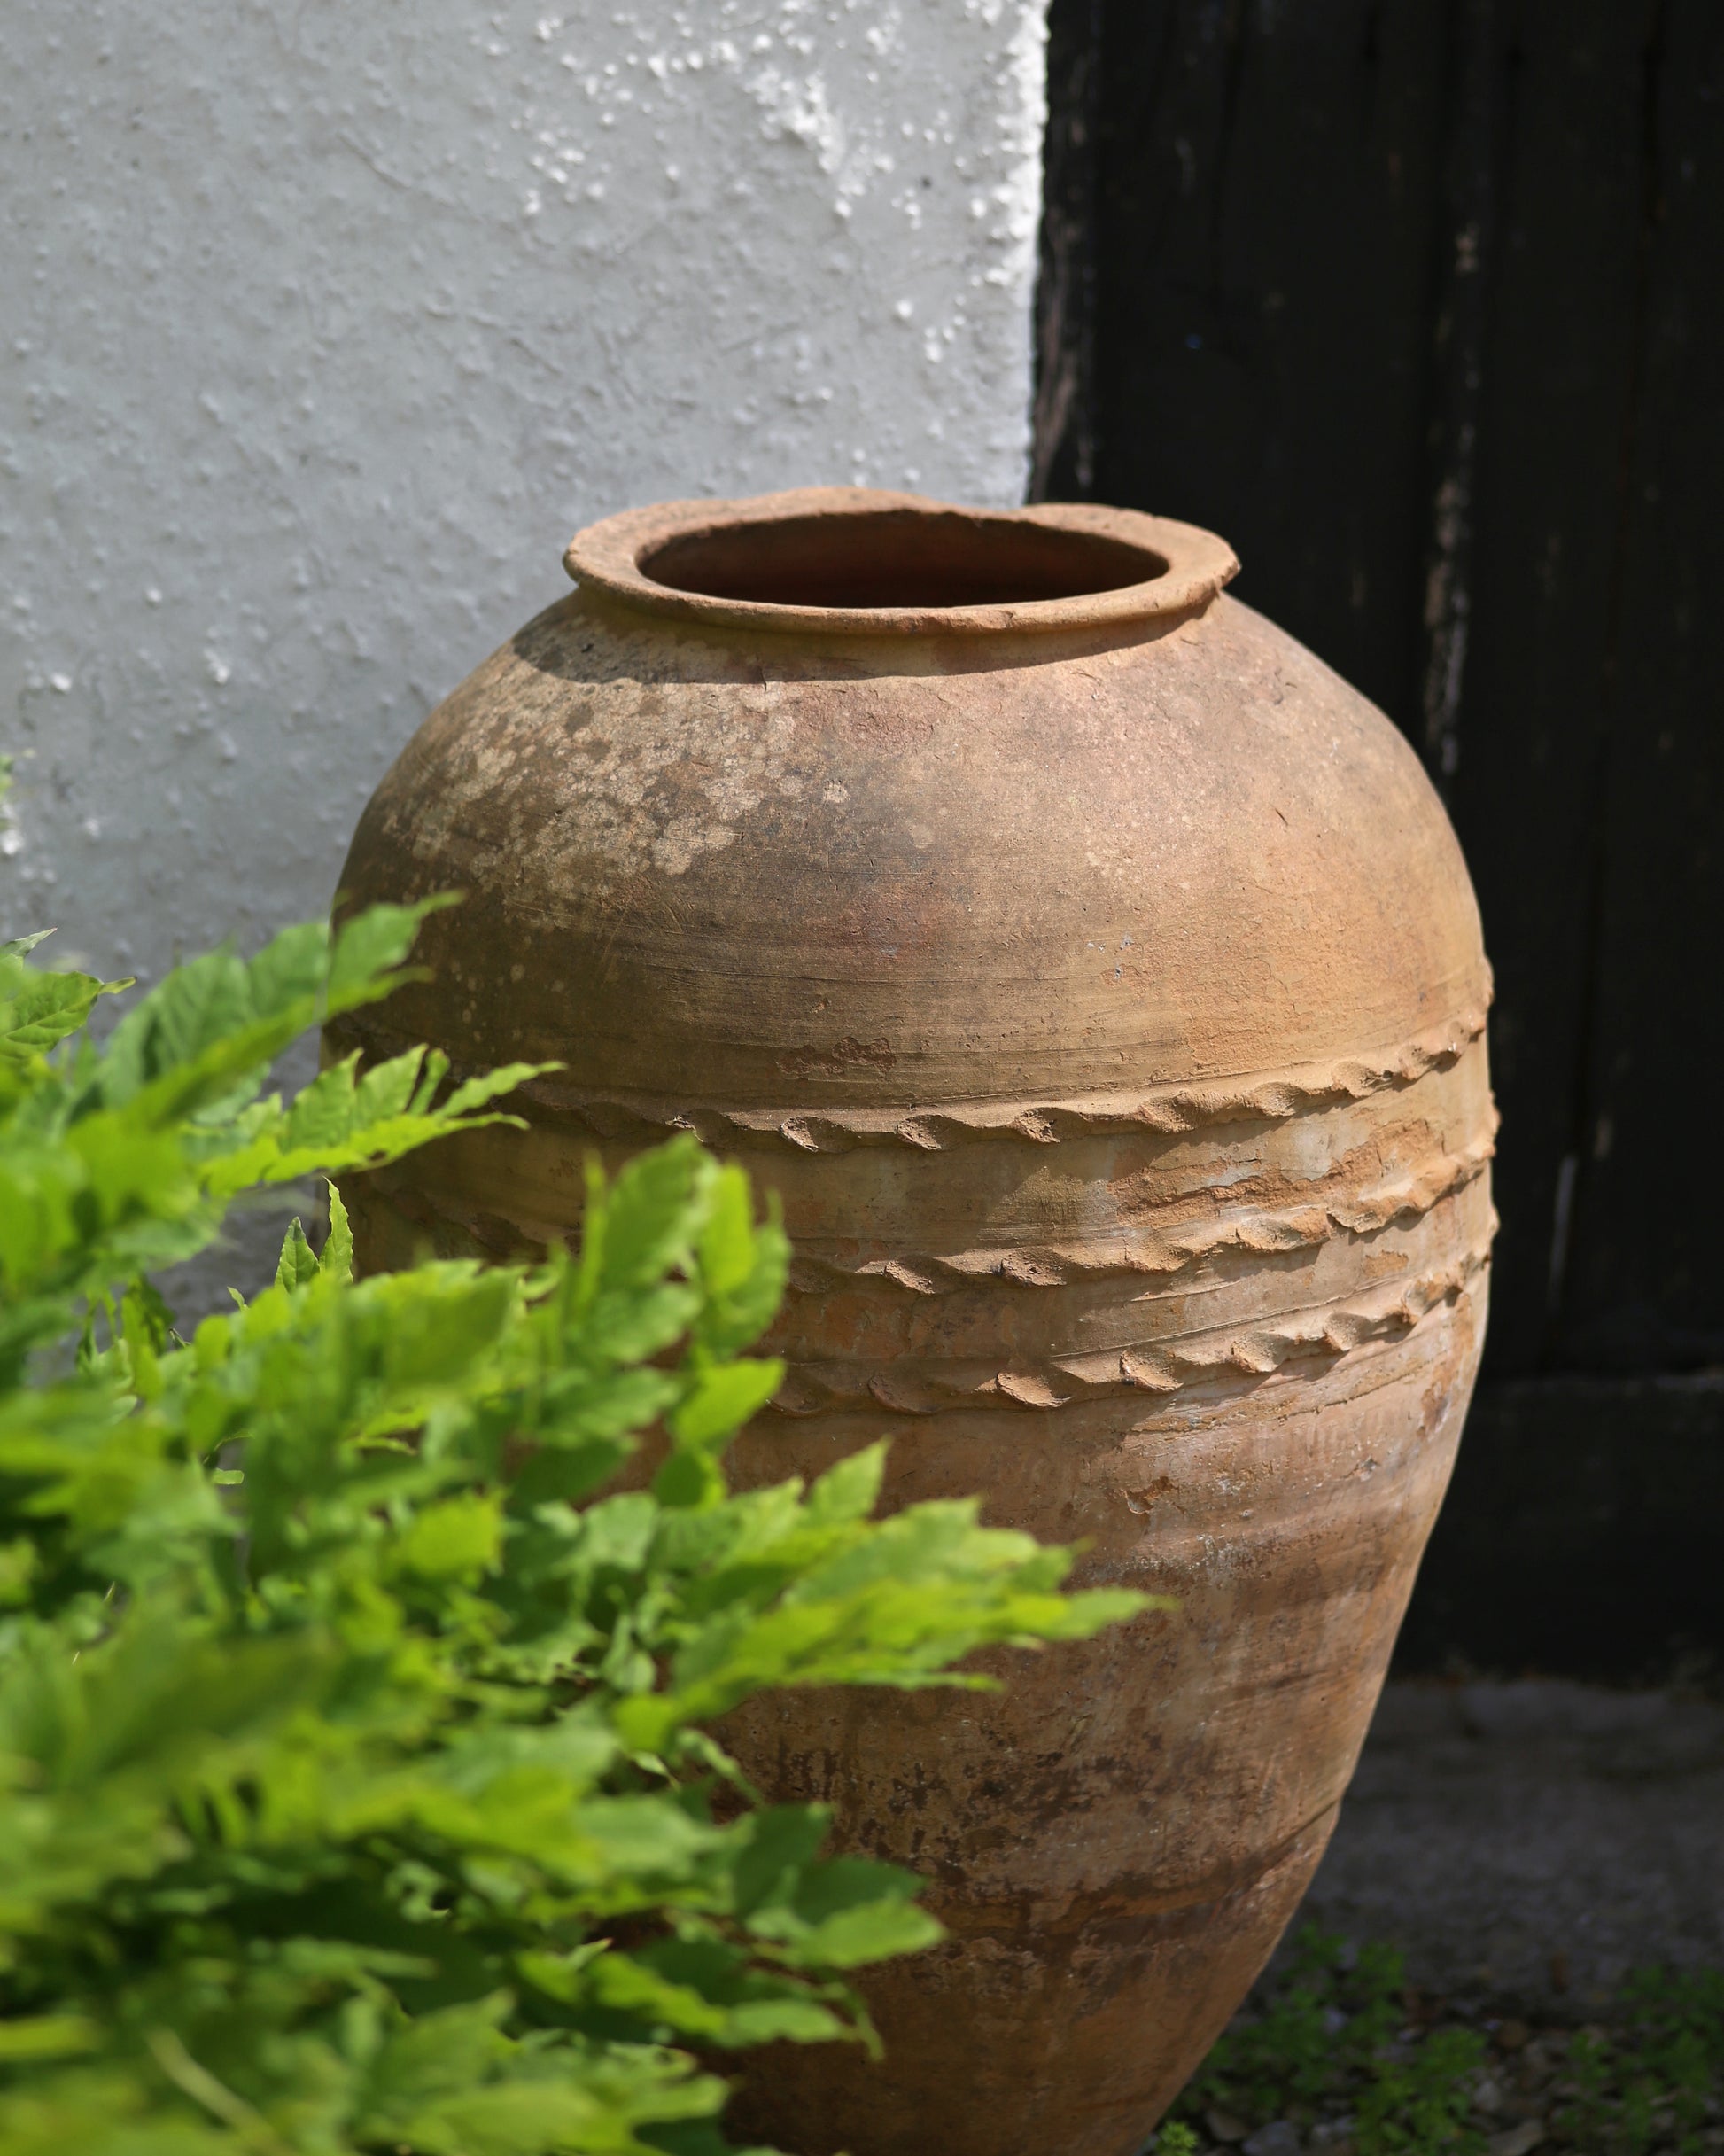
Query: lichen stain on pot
x,y
1096,978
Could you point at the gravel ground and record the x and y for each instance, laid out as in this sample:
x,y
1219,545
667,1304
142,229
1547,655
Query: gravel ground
x,y
1524,1846
1528,1843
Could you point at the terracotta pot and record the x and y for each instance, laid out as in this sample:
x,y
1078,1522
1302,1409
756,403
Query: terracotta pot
x,y
1097,978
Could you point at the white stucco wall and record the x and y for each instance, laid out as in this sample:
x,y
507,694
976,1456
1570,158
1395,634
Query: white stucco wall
x,y
325,326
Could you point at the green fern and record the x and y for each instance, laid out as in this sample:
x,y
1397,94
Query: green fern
x,y
356,1785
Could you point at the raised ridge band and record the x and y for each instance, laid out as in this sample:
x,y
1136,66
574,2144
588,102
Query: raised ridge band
x,y
1269,1096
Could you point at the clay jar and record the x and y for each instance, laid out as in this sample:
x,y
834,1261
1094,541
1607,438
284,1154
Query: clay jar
x,y
1096,978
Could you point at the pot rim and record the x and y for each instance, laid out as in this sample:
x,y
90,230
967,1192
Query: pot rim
x,y
1194,566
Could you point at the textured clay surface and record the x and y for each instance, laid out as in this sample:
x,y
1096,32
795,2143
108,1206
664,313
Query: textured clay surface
x,y
1096,978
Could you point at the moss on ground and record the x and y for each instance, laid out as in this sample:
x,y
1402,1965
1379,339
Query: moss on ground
x,y
1340,2055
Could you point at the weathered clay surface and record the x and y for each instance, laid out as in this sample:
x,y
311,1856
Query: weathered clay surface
x,y
1096,978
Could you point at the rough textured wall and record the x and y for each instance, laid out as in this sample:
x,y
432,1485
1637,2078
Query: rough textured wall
x,y
326,325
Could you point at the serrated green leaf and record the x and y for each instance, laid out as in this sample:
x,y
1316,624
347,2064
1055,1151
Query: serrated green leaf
x,y
45,1009
459,1538
290,970
850,1491
337,1255
723,1399
20,945
776,1844
370,947
653,1213
874,1931
493,1085
727,1236
298,1263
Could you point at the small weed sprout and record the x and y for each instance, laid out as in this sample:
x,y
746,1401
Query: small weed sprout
x,y
1339,2047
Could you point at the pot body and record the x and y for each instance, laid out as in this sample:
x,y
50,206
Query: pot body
x,y
1105,999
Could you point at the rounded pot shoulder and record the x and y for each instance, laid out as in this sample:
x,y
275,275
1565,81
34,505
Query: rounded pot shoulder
x,y
757,865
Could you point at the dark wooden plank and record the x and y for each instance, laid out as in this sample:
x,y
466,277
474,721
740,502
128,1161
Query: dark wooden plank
x,y
1527,788
1062,461
1471,181
1267,204
1580,1536
1645,1276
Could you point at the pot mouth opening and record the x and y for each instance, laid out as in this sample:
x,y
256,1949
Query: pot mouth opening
x,y
894,558
850,561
